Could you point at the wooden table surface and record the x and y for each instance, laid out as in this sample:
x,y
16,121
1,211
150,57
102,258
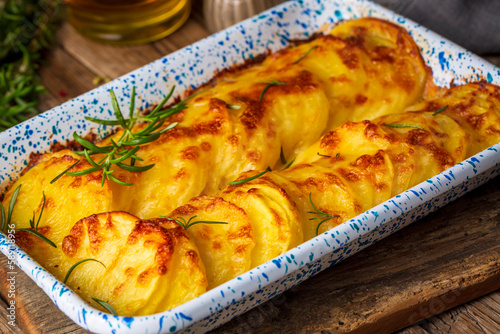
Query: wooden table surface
x,y
440,275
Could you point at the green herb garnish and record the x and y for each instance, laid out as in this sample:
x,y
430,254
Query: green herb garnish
x,y
39,235
403,126
26,29
129,142
323,155
440,110
13,199
282,156
289,164
32,221
65,171
250,178
182,222
34,226
305,55
270,83
107,306
76,264
321,215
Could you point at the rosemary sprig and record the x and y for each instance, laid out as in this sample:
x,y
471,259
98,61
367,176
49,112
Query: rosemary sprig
x,y
182,222
250,178
282,156
107,306
26,29
289,164
12,203
403,126
32,221
304,55
65,171
270,83
70,270
39,235
34,227
328,156
440,110
320,215
129,142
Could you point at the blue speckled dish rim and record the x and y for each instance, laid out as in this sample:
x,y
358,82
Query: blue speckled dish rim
x,y
191,67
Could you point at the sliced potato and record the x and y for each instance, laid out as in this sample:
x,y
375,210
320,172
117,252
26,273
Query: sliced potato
x,y
274,216
67,200
146,268
224,248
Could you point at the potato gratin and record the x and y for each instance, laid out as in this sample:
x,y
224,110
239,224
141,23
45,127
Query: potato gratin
x,y
344,121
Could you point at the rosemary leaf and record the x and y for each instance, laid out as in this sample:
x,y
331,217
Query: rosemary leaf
x,y
91,146
282,156
323,155
319,225
41,212
134,169
2,215
102,121
70,270
321,215
403,126
116,109
182,222
39,235
143,140
289,164
125,156
107,306
305,55
440,110
248,179
84,172
270,83
114,179
64,172
12,202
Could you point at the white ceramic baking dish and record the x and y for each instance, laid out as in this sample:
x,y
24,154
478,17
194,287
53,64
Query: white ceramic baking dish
x,y
195,65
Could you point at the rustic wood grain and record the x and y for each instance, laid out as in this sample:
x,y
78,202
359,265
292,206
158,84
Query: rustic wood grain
x,y
409,279
35,312
5,327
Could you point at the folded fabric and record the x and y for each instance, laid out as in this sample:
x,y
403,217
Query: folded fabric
x,y
473,24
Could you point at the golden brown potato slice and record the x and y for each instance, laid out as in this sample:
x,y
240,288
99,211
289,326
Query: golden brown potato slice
x,y
148,268
330,193
224,248
476,107
369,68
274,216
354,146
66,201
438,143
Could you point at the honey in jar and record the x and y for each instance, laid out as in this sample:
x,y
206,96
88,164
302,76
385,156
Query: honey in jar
x,y
127,21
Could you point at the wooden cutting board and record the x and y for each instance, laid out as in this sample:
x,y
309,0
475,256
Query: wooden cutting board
x,y
442,261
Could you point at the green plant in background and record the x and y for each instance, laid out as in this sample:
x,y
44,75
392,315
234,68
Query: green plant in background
x,y
26,29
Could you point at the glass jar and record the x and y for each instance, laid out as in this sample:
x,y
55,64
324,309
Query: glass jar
x,y
127,21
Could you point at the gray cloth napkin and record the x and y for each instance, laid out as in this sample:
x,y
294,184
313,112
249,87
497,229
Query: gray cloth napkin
x,y
473,24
